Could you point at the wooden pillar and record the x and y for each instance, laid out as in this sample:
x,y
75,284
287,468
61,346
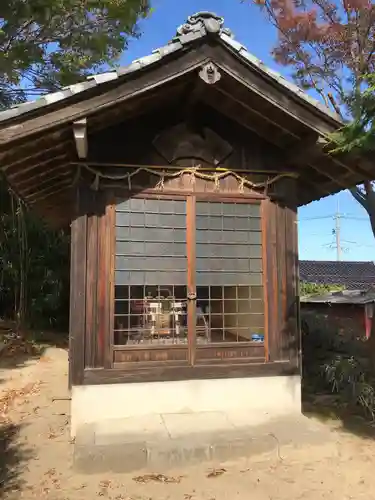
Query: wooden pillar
x,y
77,319
91,284
282,287
99,281
292,324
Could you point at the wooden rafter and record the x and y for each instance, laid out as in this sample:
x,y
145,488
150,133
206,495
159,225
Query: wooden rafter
x,y
46,183
129,89
42,157
265,87
47,192
28,173
259,128
257,113
60,165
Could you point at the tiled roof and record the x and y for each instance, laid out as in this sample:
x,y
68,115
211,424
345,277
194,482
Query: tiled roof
x,y
351,275
343,297
197,27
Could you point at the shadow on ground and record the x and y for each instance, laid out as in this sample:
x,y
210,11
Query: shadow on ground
x,y
328,410
13,460
338,376
17,351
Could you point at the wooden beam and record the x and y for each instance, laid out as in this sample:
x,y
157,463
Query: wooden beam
x,y
166,373
321,146
28,172
80,137
40,176
267,88
48,192
46,183
32,158
129,109
305,147
77,322
312,164
257,113
259,128
38,143
135,85
313,148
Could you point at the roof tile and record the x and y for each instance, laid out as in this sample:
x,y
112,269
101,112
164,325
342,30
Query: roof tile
x,y
353,275
103,77
197,26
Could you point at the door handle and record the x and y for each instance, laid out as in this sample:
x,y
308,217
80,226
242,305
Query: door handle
x,y
192,296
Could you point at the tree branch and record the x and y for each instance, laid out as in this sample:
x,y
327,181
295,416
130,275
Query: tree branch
x,y
360,197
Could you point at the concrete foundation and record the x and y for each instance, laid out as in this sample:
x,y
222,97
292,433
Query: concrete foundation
x,y
257,397
126,427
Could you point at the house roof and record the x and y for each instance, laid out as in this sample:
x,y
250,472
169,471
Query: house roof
x,y
37,149
197,26
343,297
351,275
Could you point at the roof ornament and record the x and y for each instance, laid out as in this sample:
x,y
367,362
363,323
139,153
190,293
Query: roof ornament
x,y
210,73
208,22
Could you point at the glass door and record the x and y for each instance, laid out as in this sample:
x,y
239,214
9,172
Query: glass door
x,y
229,280
188,281
151,270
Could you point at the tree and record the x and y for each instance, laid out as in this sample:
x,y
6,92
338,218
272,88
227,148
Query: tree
x,y
34,267
306,288
44,46
48,44
330,45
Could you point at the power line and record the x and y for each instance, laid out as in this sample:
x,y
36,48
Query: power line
x,y
337,217
342,216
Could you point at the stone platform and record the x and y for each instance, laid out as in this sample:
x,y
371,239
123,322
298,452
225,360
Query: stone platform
x,y
158,441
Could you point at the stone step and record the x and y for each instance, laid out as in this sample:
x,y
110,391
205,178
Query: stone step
x,y
120,451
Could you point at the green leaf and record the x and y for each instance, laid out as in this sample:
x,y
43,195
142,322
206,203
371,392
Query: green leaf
x,y
48,44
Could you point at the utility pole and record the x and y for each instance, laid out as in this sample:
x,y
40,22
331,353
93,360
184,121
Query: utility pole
x,y
338,236
337,229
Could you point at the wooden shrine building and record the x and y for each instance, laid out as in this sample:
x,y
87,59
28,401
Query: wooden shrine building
x,y
180,177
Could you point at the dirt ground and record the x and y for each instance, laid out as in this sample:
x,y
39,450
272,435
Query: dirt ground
x,y
36,455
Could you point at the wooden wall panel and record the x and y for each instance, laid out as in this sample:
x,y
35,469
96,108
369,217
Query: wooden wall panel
x,y
162,354
99,284
102,290
91,283
77,317
271,263
282,282
230,354
292,329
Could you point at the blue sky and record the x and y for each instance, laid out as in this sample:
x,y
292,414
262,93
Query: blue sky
x,y
316,238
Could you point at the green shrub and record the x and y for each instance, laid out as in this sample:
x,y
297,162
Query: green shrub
x,y
333,363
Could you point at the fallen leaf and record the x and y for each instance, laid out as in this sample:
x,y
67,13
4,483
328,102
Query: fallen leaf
x,y
216,472
160,478
9,398
50,472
